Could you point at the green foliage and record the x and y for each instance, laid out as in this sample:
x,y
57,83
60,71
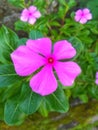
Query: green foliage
x,y
8,43
35,34
1,111
77,44
8,75
93,5
12,113
30,101
17,99
19,25
55,102
19,3
27,101
22,41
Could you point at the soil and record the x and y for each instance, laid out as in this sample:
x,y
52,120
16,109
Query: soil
x,y
8,14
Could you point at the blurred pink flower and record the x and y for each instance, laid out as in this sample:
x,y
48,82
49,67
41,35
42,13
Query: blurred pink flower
x,y
96,81
83,15
38,53
30,15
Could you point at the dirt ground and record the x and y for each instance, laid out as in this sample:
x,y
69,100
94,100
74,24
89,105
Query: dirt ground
x,y
8,14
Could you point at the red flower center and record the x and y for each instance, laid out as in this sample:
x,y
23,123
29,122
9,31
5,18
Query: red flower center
x,y
50,60
30,13
82,15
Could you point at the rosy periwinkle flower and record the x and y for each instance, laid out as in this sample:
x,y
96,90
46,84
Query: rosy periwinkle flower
x,y
30,15
39,53
96,81
83,15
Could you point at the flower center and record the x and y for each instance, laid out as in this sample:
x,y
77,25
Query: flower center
x,y
82,15
50,60
30,14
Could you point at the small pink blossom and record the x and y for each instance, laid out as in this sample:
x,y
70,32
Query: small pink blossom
x,y
30,15
96,81
83,15
38,53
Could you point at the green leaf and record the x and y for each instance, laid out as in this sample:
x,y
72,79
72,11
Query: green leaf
x,y
93,6
12,113
93,91
1,111
35,34
84,98
19,25
8,75
11,91
77,44
43,110
8,43
17,3
30,101
83,3
71,3
22,41
94,25
57,101
96,47
62,2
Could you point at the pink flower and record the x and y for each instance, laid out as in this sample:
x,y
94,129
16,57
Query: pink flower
x,y
83,15
39,53
96,81
30,15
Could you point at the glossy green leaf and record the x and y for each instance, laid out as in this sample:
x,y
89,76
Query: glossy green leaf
x,y
8,75
8,43
93,6
93,91
30,101
57,101
11,91
22,41
12,113
19,25
77,44
94,25
34,34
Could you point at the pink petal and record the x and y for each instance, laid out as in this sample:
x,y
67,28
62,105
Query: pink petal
x,y
67,72
64,50
88,16
37,14
44,82
41,45
97,75
86,11
25,61
83,20
24,15
32,20
77,18
79,12
96,81
32,9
